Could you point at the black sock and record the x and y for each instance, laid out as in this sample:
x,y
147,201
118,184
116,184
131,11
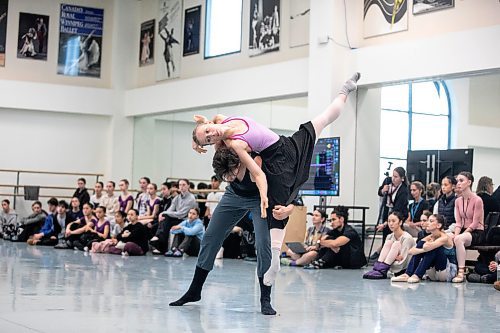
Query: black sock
x,y
194,292
265,299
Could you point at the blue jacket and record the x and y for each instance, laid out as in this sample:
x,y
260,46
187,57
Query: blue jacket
x,y
48,226
188,228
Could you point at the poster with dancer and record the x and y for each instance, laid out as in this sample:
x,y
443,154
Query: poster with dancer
x,y
169,50
425,6
299,22
33,36
384,17
4,6
264,26
80,41
146,43
192,31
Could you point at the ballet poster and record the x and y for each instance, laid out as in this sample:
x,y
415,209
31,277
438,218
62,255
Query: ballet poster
x,y
146,43
80,41
192,31
33,36
264,26
169,48
299,22
424,6
384,17
4,6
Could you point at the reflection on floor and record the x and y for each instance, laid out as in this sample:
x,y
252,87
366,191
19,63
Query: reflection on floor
x,y
47,290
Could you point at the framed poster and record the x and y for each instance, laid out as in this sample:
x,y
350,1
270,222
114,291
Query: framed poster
x,y
384,16
4,7
425,6
299,22
146,43
33,36
192,31
80,41
169,30
264,27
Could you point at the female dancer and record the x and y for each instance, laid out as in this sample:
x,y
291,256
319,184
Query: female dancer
x,y
126,200
469,228
434,251
394,255
243,136
417,207
446,204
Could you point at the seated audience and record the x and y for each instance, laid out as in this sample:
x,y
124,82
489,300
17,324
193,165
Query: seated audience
x,y
424,220
100,228
8,219
484,190
168,192
432,193
485,269
103,246
213,199
142,196
394,255
412,224
341,247
446,203
133,240
47,234
188,235
201,197
434,251
110,201
469,228
313,234
150,219
76,234
174,215
76,212
125,200
81,192
62,220
28,226
96,199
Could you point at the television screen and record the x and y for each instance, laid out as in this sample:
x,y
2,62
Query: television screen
x,y
325,166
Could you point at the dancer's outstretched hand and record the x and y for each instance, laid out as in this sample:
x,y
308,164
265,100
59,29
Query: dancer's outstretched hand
x,y
263,207
198,148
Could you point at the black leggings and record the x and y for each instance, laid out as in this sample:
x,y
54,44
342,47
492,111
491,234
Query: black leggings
x,y
163,233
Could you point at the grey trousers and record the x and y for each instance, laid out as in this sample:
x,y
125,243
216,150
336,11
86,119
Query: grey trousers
x,y
230,210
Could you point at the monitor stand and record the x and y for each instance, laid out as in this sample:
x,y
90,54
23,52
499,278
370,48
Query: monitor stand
x,y
322,201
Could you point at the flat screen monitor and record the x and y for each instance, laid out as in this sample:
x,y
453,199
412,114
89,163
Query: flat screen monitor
x,y
324,174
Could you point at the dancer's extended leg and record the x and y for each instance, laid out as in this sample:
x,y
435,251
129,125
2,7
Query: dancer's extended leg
x,y
332,112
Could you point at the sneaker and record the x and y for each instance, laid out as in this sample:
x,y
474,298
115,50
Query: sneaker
x,y
400,278
169,253
177,254
413,279
311,266
285,261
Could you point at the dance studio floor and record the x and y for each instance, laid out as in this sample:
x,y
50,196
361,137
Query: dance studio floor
x,y
47,290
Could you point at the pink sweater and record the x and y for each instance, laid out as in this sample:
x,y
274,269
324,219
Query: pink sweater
x,y
469,213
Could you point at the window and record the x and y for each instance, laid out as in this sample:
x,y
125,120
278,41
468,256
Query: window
x,y
415,116
223,27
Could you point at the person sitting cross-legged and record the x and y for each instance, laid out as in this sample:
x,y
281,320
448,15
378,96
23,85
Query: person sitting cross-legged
x,y
188,235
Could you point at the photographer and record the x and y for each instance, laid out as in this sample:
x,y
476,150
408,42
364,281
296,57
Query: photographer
x,y
394,193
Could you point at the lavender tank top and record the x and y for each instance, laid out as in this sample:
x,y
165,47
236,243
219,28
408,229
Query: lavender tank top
x,y
100,229
258,137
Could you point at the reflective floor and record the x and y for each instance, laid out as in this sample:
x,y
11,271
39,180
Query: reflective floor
x,y
47,290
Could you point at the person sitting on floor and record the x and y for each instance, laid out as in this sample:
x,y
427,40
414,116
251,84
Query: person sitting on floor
x,y
485,269
8,219
394,255
103,246
188,235
313,234
47,234
434,251
342,246
75,212
28,226
133,240
76,229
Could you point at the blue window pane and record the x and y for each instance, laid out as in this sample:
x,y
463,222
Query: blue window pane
x,y
223,27
393,134
395,97
430,98
429,132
